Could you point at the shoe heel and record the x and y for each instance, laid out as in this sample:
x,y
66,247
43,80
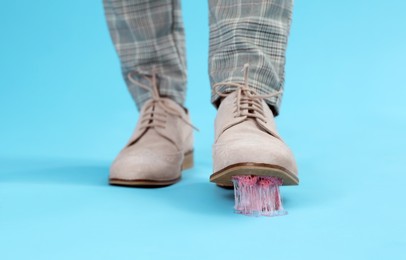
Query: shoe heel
x,y
188,161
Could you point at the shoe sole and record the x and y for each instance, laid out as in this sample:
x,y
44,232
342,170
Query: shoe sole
x,y
223,177
187,163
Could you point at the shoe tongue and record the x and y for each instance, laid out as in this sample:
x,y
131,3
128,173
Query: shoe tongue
x,y
157,131
225,118
172,127
225,115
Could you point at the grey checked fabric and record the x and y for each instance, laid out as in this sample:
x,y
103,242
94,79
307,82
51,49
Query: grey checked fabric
x,y
146,34
150,33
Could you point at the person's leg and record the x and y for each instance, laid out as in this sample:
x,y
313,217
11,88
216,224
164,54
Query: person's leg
x,y
254,32
246,65
149,38
147,34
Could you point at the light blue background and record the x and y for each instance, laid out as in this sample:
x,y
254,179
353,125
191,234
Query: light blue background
x,y
65,113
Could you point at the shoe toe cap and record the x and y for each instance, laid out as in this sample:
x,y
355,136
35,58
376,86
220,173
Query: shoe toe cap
x,y
268,150
146,165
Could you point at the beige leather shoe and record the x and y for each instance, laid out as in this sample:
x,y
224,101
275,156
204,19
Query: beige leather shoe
x,y
160,147
246,140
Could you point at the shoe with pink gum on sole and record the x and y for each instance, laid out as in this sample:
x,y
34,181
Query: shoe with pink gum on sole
x,y
248,153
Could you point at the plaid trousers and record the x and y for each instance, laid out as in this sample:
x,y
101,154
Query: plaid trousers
x,y
150,33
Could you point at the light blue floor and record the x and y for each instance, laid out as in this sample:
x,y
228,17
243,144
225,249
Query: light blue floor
x,y
65,113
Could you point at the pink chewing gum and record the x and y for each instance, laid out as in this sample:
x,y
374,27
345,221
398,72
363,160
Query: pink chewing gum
x,y
258,195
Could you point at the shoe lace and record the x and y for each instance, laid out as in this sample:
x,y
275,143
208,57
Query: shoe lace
x,y
248,101
153,118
